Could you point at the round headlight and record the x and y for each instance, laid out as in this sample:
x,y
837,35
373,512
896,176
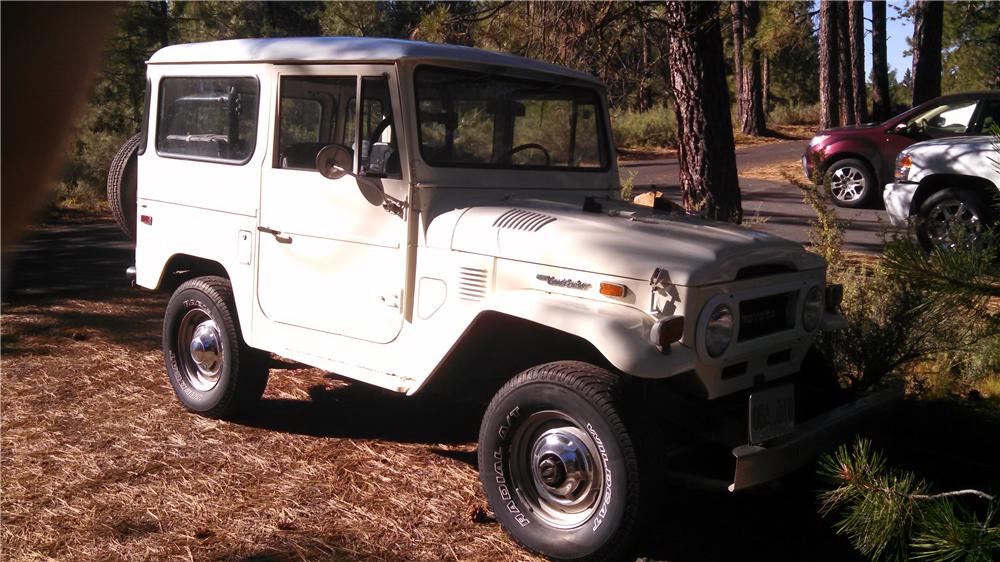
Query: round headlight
x,y
719,331
812,309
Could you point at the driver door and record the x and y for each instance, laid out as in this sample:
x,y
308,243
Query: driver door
x,y
329,260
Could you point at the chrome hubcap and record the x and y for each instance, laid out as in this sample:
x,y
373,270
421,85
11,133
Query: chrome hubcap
x,y
847,183
952,222
557,469
202,365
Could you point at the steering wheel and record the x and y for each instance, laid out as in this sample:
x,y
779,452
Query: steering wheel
x,y
526,146
378,130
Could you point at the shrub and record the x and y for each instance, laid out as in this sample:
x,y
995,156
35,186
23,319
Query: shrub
x,y
794,114
656,127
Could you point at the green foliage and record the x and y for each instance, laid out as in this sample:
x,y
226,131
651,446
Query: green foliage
x,y
875,500
971,54
627,186
656,127
888,514
794,114
952,532
786,37
826,231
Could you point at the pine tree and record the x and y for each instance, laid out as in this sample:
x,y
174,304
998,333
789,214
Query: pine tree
x,y
701,101
856,18
829,65
881,98
928,23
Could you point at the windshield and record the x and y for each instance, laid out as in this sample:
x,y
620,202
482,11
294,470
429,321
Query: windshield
x,y
483,120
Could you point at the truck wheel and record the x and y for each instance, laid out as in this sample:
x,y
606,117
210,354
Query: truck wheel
x,y
558,465
122,183
948,211
849,183
211,369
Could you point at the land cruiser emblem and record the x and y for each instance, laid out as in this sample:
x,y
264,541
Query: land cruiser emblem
x,y
568,283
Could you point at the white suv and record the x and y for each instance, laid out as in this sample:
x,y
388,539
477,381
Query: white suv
x,y
403,213
946,184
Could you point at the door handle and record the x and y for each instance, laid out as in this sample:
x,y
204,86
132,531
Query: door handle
x,y
282,239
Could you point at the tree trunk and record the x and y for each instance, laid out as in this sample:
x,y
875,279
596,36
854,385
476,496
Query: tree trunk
x,y
751,104
701,102
846,89
829,64
881,99
765,84
737,10
928,24
856,21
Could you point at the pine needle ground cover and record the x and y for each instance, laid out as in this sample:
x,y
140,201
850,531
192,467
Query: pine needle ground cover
x,y
98,461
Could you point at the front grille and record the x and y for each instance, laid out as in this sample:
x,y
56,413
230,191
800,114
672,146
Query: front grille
x,y
766,315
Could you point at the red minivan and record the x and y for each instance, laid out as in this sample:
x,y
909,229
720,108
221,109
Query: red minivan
x,y
857,161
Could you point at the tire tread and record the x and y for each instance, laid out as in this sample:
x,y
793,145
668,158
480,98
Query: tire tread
x,y
605,391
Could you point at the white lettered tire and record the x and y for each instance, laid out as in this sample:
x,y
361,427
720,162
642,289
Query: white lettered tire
x,y
558,465
213,372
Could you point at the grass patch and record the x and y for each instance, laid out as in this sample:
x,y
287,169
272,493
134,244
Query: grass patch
x,y
794,114
654,128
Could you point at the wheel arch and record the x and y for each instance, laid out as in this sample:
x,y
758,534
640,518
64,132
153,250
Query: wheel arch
x,y
848,155
481,361
181,267
936,182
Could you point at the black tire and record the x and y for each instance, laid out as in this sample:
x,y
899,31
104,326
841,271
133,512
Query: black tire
x,y
213,389
123,183
970,207
850,183
569,402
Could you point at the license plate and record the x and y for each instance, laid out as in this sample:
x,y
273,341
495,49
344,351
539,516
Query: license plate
x,y
772,413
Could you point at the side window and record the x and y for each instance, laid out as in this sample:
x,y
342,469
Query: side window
x,y
946,120
989,117
379,146
144,131
208,118
314,111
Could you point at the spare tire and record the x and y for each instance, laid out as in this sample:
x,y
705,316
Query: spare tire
x,y
122,184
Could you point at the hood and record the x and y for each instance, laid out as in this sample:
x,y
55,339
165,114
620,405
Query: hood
x,y
623,240
848,129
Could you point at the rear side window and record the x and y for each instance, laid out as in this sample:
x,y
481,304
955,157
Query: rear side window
x,y
208,118
145,119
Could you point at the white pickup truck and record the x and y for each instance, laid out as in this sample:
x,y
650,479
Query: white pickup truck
x,y
408,214
946,184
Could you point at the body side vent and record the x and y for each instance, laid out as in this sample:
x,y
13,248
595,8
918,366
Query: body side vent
x,y
472,283
517,219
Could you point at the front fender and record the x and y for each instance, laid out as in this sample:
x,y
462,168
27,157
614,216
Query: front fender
x,y
620,333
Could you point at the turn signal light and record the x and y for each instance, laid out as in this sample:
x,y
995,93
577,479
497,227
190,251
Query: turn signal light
x,y
612,289
666,332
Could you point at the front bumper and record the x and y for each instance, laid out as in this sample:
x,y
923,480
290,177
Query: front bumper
x,y
898,197
757,464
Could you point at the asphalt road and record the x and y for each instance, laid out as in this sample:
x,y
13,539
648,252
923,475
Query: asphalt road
x,y
780,204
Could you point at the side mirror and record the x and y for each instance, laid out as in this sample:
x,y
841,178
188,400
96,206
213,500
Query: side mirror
x,y
901,128
333,161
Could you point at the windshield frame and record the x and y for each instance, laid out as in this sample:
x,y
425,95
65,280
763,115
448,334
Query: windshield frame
x,y
600,108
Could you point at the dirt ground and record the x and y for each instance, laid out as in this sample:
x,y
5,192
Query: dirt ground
x,y
98,461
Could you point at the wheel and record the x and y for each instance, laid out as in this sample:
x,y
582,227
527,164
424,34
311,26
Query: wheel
x,y
849,183
213,372
122,184
559,467
949,211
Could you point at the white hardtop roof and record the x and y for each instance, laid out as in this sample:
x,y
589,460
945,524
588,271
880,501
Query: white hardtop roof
x,y
346,49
